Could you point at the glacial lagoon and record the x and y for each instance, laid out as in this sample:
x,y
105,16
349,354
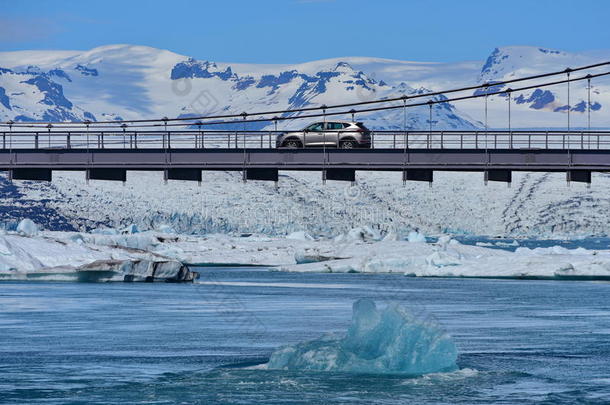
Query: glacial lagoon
x,y
518,341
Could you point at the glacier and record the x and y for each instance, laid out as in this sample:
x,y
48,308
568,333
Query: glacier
x,y
456,203
379,341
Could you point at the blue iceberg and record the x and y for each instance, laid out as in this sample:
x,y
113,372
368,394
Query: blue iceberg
x,y
388,341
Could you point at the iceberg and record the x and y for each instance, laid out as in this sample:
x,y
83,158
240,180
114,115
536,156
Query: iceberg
x,y
76,257
300,235
27,227
416,237
130,230
387,341
361,233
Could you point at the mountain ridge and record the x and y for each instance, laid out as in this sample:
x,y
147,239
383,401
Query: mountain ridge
x,y
122,82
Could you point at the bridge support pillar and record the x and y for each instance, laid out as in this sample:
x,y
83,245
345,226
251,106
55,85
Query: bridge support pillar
x,y
182,174
107,174
339,174
580,176
418,175
34,174
261,174
505,176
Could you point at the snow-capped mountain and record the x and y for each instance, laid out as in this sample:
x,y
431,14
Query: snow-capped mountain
x,y
549,104
133,82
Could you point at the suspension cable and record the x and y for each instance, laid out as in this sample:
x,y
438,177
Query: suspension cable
x,y
589,102
569,106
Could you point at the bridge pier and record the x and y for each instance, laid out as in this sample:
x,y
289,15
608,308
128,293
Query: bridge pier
x,y
261,174
339,174
107,174
34,174
580,176
498,175
182,174
418,175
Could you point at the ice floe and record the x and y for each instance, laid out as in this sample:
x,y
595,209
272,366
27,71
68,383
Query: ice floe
x,y
360,250
80,257
387,341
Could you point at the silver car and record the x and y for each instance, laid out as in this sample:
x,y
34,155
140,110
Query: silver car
x,y
341,134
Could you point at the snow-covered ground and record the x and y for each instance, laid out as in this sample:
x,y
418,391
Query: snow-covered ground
x,y
51,255
537,205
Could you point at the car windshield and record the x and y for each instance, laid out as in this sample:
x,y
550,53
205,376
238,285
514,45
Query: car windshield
x,y
318,126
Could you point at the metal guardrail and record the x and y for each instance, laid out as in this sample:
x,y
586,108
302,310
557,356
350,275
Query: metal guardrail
x,y
195,139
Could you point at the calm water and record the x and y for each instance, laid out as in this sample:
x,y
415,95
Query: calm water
x,y
520,342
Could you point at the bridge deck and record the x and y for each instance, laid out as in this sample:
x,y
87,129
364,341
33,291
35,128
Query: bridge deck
x,y
309,159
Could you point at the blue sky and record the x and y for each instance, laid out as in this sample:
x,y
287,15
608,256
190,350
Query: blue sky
x,y
289,31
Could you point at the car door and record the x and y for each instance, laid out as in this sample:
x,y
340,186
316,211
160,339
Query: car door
x,y
314,134
333,133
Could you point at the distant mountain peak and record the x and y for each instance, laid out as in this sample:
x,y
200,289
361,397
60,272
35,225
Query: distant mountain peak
x,y
343,67
193,68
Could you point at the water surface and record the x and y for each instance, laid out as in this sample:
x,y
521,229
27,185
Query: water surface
x,y
520,342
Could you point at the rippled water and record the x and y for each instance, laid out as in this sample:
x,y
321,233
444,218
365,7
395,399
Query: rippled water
x,y
520,342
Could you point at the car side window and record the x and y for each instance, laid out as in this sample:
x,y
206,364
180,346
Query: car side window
x,y
335,125
317,127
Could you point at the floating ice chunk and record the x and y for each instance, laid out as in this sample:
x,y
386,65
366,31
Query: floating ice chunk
x,y
508,244
27,227
5,247
165,229
362,233
443,259
415,236
77,238
130,230
446,240
314,256
8,226
388,341
391,236
104,231
300,235
553,250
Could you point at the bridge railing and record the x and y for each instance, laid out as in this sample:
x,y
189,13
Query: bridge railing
x,y
194,139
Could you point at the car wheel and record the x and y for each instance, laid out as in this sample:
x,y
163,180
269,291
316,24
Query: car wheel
x,y
292,144
348,145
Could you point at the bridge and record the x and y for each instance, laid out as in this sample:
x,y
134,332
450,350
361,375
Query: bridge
x,y
184,147
183,155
